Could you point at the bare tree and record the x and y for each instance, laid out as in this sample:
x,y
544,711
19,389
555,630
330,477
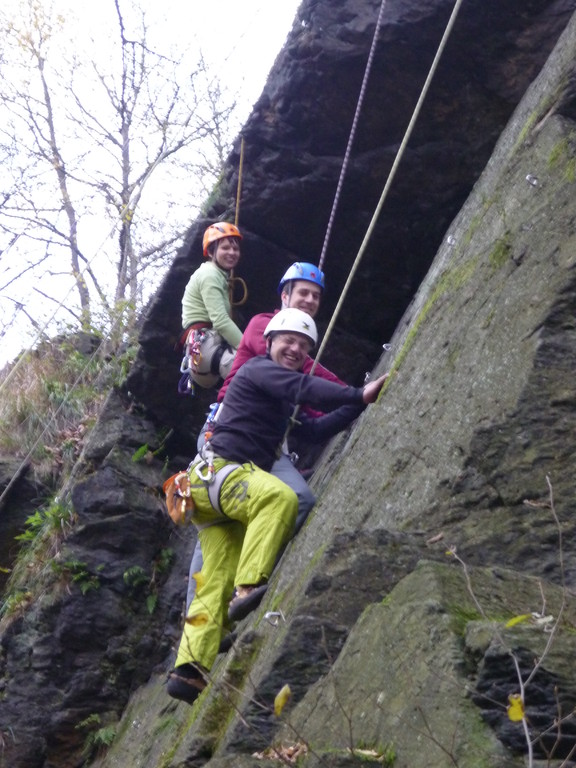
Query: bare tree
x,y
100,142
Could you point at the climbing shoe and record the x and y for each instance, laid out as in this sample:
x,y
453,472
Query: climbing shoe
x,y
186,683
227,642
246,600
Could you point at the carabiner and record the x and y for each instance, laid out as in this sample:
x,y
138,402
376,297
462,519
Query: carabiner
x,y
207,460
274,617
209,476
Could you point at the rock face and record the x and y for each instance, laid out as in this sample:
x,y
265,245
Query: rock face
x,y
294,143
435,579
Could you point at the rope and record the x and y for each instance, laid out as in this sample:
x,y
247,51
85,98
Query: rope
x,y
383,196
239,189
391,176
233,281
352,134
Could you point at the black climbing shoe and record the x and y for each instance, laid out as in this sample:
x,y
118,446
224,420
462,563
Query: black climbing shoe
x,y
185,683
248,599
227,642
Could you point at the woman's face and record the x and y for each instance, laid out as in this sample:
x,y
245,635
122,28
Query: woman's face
x,y
227,253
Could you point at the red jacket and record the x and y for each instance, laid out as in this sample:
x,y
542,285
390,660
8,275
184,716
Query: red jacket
x,y
253,344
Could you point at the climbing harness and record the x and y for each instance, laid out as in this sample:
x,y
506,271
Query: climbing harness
x,y
178,487
207,359
215,485
212,479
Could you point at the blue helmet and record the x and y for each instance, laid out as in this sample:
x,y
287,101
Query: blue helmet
x,y
301,270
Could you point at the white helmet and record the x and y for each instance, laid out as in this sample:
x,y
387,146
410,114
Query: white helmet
x,y
292,320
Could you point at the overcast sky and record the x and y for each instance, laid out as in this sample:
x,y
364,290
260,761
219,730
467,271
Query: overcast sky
x,y
240,40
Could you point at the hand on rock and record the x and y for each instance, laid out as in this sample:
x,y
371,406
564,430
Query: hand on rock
x,y
372,389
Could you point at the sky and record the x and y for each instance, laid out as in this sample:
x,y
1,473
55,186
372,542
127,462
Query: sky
x,y
239,39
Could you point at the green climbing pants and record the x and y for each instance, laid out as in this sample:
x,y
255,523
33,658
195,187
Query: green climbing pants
x,y
239,549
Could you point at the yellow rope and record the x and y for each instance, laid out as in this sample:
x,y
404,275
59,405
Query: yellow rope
x,y
239,188
234,281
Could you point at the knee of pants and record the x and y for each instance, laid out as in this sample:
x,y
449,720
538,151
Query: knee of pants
x,y
301,518
306,500
284,470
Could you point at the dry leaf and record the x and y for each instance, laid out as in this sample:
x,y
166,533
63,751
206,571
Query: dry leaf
x,y
518,619
283,753
199,579
281,699
198,620
515,708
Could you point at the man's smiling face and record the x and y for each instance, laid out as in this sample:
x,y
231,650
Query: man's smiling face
x,y
304,295
290,350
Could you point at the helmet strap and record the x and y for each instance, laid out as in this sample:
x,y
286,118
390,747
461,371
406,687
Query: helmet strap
x,y
287,289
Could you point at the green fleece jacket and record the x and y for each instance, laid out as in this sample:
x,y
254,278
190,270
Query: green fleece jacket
x,y
206,300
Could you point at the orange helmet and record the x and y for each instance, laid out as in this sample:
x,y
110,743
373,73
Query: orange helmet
x,y
218,231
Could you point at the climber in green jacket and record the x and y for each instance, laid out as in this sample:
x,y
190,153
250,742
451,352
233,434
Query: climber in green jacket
x,y
244,526
213,337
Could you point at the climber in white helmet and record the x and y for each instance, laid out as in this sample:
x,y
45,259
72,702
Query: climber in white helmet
x,y
257,511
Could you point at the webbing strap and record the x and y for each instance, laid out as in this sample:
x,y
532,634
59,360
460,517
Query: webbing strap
x,y
216,485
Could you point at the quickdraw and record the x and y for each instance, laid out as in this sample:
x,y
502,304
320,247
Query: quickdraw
x,y
195,350
206,462
178,489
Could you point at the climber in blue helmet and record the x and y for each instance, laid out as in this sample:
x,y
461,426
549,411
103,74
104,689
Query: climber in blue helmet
x,y
301,287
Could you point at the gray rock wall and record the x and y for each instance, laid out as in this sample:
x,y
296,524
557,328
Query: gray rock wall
x,y
478,417
386,646
294,142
